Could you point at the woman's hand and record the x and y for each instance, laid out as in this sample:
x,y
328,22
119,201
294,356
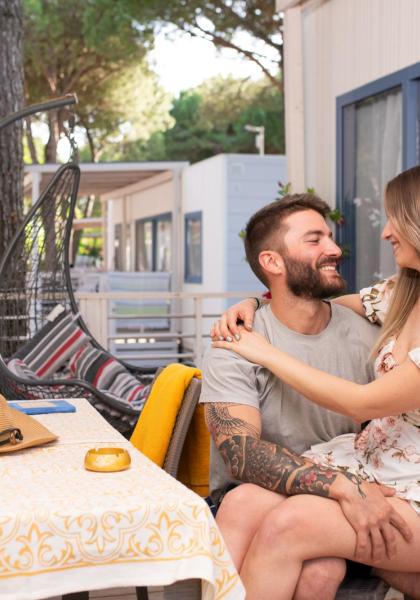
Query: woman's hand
x,y
251,345
227,326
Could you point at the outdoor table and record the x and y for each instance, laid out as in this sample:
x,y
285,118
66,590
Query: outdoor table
x,y
64,529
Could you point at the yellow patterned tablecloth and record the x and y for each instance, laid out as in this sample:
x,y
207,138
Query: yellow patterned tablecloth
x,y
64,529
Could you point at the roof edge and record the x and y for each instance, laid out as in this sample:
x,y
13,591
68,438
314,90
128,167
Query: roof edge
x,y
282,5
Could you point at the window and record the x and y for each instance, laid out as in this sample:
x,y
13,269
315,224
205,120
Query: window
x,y
118,248
193,247
153,243
144,246
377,137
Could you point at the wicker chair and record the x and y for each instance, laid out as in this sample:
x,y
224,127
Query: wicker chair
x,y
34,278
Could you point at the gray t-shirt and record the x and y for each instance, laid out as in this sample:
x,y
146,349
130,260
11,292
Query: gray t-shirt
x,y
288,418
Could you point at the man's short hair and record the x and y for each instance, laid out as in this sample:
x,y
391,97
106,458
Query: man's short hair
x,y
263,228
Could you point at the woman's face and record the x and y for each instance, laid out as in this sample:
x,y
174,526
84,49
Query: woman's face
x,y
404,252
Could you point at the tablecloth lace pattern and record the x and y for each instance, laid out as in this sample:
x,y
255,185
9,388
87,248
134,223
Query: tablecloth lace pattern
x,y
56,517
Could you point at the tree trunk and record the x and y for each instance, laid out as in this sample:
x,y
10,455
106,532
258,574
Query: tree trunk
x,y
51,146
11,99
30,140
11,171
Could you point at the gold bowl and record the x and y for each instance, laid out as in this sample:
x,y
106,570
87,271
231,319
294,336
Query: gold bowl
x,y
107,459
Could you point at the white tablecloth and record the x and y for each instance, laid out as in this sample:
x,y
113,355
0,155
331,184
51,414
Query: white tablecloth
x,y
65,529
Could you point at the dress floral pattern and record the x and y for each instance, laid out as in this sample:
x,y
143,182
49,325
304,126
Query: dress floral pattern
x,y
387,450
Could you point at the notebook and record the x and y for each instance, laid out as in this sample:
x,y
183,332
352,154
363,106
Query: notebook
x,y
41,407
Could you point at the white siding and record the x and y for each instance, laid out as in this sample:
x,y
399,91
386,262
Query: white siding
x,y
346,44
228,189
204,189
252,183
145,199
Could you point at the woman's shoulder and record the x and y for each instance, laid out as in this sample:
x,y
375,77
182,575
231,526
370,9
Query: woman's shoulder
x,y
376,298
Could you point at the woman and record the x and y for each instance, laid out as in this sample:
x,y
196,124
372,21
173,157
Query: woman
x,y
388,449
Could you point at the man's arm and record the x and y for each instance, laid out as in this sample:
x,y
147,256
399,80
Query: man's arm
x,y
236,431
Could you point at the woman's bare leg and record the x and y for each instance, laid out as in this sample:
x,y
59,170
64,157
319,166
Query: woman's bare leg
x,y
239,517
307,527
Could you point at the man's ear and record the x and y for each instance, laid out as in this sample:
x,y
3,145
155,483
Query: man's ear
x,y
271,262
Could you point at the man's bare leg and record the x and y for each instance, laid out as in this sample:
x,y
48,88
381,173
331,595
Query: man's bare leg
x,y
320,579
407,583
239,517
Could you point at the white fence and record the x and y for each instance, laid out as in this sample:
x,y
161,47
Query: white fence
x,y
180,323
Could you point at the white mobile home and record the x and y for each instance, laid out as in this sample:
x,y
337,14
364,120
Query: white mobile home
x,y
216,198
189,224
352,82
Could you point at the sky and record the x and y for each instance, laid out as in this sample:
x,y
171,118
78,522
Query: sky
x,y
184,61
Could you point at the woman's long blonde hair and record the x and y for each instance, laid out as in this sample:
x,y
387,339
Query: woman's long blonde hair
x,y
402,204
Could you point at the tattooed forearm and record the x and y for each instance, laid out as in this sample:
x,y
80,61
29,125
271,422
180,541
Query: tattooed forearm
x,y
222,423
278,469
269,465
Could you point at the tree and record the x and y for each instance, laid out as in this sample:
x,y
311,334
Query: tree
x,y
211,119
130,106
223,21
81,47
11,99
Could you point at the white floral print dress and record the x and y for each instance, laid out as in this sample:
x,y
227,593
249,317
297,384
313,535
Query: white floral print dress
x,y
388,449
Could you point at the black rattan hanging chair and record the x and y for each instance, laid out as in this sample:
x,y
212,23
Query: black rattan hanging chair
x,y
34,278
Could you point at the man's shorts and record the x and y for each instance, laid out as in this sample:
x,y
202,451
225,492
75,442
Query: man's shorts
x,y
214,503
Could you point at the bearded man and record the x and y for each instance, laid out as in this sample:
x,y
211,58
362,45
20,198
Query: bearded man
x,y
260,426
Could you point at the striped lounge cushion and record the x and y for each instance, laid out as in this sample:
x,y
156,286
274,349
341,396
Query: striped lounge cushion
x,y
108,375
53,345
18,367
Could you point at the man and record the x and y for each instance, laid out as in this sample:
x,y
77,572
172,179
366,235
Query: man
x,y
259,426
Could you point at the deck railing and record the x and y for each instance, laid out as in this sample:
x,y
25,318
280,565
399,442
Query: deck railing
x,y
155,327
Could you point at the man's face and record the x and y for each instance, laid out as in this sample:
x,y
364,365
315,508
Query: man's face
x,y
311,257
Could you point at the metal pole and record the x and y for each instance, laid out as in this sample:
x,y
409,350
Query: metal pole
x,y
67,100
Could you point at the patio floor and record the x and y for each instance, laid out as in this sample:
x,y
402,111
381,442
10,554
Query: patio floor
x,y
119,594
157,594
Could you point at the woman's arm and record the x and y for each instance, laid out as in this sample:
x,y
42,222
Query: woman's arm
x,y
394,393
352,301
228,326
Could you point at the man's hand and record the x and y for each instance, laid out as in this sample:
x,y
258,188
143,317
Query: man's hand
x,y
374,520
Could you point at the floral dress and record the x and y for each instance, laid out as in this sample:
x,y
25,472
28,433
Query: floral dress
x,y
387,450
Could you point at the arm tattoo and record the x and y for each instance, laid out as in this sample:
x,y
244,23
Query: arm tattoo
x,y
221,422
253,460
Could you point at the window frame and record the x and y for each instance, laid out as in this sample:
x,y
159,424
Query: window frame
x,y
154,219
197,215
408,79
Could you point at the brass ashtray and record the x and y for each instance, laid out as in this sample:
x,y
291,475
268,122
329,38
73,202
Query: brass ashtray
x,y
107,459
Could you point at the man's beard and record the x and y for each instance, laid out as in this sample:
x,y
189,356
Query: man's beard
x,y
306,282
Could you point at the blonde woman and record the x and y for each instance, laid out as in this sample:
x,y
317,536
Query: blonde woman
x,y
387,450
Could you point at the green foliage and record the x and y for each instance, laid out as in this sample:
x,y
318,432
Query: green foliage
x,y
211,118
96,49
128,107
91,243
